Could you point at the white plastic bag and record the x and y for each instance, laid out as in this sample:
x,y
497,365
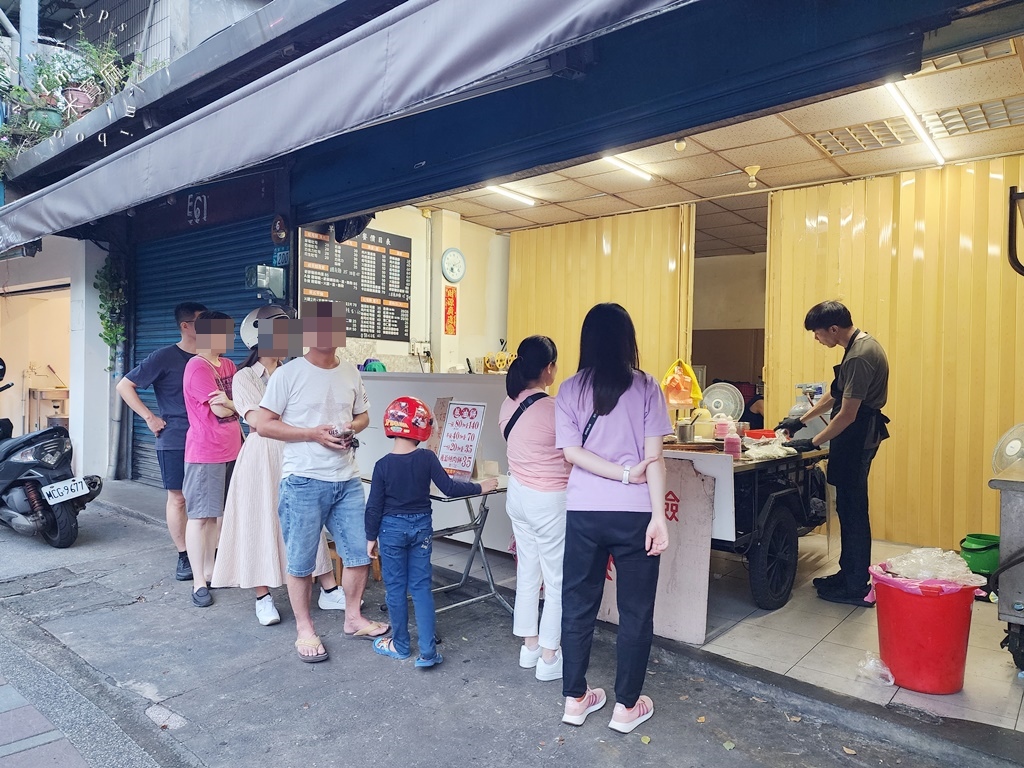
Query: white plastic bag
x,y
874,670
932,563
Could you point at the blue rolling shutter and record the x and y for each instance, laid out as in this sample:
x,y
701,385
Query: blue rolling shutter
x,y
207,266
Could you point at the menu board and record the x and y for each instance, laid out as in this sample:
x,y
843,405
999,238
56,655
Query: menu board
x,y
460,437
370,274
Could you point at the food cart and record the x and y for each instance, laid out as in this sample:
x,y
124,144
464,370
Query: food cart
x,y
762,507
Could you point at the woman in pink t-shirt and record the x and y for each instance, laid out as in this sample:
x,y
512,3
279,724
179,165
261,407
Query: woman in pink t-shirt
x,y
535,504
610,420
212,443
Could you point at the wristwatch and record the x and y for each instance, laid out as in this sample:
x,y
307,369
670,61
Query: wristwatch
x,y
625,474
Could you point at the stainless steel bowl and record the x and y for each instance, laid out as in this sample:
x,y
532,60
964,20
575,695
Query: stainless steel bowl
x,y
684,432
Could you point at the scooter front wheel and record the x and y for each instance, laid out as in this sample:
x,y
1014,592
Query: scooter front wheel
x,y
61,527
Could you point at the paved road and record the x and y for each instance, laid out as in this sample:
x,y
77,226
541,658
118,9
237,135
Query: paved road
x,y
99,644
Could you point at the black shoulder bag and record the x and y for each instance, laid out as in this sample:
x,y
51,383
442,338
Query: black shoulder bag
x,y
521,410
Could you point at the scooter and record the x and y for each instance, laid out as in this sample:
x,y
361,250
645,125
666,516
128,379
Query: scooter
x,y
39,492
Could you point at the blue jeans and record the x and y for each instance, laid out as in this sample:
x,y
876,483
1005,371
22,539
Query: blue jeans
x,y
306,506
405,543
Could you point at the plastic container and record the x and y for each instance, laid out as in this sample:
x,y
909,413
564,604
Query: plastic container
x,y
733,444
923,629
757,434
722,424
981,552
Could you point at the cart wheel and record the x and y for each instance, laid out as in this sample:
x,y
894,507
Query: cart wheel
x,y
1014,643
773,559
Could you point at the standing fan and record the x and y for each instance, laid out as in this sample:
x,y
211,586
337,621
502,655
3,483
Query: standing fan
x,y
722,397
1009,449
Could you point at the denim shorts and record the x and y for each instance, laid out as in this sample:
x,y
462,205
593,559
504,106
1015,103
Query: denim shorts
x,y
307,506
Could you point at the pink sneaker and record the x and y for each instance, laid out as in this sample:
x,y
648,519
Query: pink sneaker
x,y
576,711
625,720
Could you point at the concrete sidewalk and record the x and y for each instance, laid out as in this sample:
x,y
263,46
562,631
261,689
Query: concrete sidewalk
x,y
104,643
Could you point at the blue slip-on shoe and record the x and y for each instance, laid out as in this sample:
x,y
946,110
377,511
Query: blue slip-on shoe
x,y
202,598
385,647
424,663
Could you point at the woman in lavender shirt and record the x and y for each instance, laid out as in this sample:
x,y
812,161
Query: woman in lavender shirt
x,y
609,422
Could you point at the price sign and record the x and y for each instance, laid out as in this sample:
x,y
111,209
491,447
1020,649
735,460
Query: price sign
x,y
371,274
460,437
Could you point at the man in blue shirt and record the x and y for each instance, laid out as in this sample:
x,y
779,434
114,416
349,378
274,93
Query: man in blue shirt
x,y
163,371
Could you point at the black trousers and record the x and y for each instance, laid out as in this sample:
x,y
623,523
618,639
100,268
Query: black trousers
x,y
590,537
855,524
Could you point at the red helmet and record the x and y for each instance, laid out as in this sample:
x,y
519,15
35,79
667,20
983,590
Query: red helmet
x,y
408,417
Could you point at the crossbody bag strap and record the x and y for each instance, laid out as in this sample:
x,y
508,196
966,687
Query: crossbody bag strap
x,y
586,429
521,410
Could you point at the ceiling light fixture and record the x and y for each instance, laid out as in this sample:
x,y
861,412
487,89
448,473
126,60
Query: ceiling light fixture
x,y
627,167
680,145
26,251
915,122
512,195
751,171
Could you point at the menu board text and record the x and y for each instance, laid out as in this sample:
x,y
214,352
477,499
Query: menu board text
x,y
371,274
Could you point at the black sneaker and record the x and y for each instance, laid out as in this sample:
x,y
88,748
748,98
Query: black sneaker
x,y
828,581
839,593
184,570
202,598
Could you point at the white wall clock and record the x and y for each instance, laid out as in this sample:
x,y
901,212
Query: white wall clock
x,y
453,265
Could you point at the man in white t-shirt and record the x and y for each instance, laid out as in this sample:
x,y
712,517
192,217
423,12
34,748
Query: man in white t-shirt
x,y
315,405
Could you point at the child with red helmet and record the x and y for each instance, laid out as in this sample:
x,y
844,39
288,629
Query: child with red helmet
x,y
398,520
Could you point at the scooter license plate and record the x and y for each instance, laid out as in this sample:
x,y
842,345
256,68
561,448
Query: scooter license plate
x,y
71,488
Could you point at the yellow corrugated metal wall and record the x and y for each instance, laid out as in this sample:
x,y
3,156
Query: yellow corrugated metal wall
x,y
920,260
643,261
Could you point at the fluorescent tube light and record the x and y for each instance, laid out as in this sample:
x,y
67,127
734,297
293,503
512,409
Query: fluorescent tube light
x,y
513,195
915,122
28,250
627,167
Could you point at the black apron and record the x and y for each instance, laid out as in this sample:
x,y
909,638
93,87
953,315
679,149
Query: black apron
x,y
846,450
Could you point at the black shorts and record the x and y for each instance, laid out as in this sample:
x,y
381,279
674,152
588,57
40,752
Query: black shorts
x,y
172,469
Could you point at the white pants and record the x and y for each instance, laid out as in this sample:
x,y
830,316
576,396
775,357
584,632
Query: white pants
x,y
538,522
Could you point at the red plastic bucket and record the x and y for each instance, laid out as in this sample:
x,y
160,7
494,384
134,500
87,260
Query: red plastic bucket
x,y
923,633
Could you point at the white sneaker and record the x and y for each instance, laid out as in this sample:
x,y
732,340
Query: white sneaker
x,y
528,659
331,601
552,671
266,612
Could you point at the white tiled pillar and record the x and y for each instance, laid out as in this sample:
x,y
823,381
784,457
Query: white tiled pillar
x,y
89,401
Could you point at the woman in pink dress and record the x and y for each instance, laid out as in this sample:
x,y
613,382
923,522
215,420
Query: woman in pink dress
x,y
251,551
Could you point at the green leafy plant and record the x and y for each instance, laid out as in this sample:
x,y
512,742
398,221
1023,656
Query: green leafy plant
x,y
10,145
112,286
103,62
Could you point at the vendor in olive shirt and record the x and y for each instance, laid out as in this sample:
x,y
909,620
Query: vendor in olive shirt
x,y
855,400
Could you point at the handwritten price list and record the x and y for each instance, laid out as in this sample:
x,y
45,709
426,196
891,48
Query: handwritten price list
x,y
462,427
371,274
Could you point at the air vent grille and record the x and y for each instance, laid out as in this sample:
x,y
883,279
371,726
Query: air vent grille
x,y
859,138
988,52
975,118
